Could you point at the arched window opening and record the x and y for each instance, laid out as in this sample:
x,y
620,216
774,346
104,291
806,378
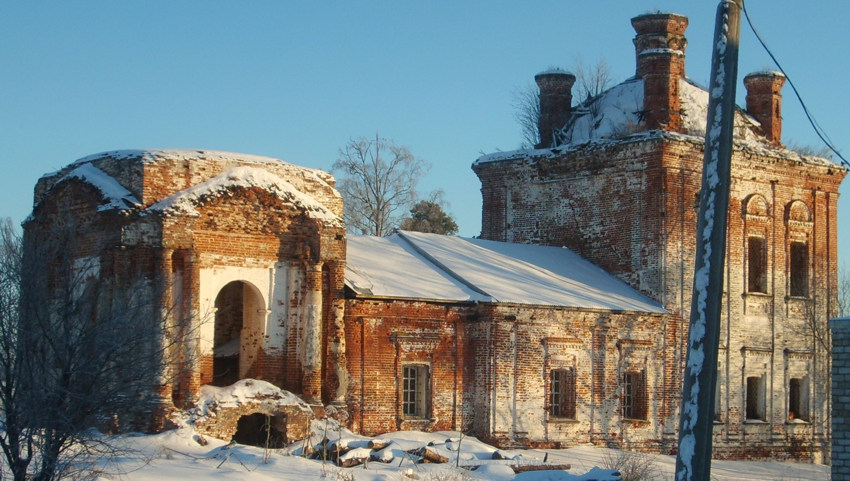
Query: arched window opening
x,y
756,206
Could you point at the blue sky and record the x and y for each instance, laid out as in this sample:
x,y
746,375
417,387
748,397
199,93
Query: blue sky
x,y
297,80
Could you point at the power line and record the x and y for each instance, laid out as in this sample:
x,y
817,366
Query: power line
x,y
818,130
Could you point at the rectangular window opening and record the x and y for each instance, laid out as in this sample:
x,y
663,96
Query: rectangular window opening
x,y
414,387
799,269
756,265
798,399
755,399
562,393
718,411
634,395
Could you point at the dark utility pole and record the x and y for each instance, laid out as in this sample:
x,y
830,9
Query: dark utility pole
x,y
693,462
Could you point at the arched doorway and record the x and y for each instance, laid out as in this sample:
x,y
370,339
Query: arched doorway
x,y
239,322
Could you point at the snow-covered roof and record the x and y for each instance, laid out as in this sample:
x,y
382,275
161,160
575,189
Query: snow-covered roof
x,y
616,113
184,202
390,267
531,156
614,117
554,70
430,266
610,114
114,194
151,156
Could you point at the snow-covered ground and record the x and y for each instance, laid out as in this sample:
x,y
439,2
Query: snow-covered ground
x,y
183,454
176,455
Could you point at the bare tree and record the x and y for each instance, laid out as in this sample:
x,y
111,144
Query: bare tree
x,y
377,180
804,149
75,353
591,80
526,106
14,441
815,324
843,292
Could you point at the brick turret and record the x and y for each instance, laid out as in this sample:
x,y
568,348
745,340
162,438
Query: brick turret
x,y
764,102
660,50
556,97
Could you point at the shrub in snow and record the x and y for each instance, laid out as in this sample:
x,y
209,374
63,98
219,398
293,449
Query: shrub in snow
x,y
632,466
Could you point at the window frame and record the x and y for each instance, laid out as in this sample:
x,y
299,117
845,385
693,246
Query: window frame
x,y
718,398
757,265
635,397
798,269
798,398
754,400
562,393
415,392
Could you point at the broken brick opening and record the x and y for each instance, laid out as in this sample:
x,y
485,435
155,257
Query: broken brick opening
x,y
261,430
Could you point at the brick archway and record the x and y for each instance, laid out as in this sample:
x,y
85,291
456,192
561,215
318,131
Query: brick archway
x,y
239,328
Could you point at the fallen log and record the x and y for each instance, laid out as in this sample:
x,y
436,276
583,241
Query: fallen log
x,y
541,467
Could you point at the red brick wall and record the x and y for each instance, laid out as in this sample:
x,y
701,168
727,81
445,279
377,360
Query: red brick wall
x,y
490,366
382,336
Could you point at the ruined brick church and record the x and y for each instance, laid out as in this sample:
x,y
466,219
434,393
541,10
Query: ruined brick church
x,y
563,324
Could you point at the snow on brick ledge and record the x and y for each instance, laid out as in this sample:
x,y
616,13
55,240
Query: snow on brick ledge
x,y
184,202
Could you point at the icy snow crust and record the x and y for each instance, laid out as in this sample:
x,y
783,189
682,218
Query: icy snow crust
x,y
184,202
428,266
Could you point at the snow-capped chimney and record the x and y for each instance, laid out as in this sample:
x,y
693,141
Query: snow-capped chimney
x,y
660,50
556,97
764,102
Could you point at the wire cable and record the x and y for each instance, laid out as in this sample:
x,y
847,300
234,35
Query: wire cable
x,y
818,130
